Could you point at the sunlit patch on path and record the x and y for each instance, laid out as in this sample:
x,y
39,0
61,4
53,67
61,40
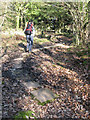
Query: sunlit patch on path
x,y
56,45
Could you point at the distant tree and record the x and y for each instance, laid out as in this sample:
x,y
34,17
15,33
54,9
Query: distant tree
x,y
79,13
3,13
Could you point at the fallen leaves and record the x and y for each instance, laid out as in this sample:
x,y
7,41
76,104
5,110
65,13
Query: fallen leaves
x,y
53,69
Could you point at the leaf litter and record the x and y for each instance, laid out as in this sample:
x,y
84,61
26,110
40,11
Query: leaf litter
x,y
67,79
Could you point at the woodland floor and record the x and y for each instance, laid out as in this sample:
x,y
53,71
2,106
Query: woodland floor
x,y
58,68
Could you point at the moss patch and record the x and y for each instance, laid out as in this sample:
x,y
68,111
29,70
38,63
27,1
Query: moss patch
x,y
24,115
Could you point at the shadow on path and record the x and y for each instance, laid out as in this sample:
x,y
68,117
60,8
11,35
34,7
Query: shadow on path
x,y
64,40
5,51
22,46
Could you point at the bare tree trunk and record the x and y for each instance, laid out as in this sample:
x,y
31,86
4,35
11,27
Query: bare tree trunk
x,y
3,14
17,27
21,21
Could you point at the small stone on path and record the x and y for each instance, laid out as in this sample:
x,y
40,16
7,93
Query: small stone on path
x,y
18,59
31,85
43,94
17,63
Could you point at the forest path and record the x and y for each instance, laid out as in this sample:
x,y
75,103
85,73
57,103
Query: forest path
x,y
52,69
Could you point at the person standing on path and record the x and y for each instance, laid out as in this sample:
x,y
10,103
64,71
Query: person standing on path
x,y
30,33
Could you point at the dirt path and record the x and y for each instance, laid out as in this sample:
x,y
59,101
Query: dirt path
x,y
53,67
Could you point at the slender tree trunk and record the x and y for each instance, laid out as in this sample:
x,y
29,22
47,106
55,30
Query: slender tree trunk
x,y
25,21
17,27
4,14
21,21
